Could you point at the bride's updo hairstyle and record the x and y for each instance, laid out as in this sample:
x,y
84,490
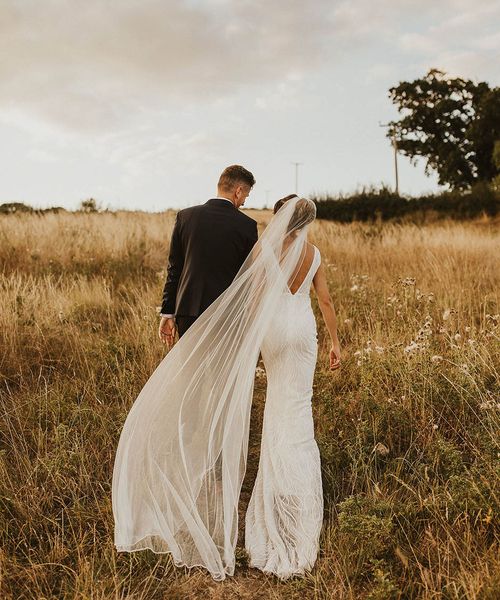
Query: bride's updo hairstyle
x,y
304,213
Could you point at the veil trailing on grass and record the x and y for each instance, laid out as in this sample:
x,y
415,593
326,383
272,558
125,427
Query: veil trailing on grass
x,y
182,453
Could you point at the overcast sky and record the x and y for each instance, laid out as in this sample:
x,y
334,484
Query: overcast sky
x,y
142,103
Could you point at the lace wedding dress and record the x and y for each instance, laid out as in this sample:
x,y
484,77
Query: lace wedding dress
x,y
284,516
182,452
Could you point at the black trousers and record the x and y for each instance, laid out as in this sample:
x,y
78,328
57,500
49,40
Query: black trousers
x,y
183,324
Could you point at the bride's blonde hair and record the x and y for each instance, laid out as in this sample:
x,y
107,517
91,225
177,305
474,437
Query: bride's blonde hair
x,y
304,213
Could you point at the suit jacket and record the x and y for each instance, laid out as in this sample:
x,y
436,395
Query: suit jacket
x,y
208,246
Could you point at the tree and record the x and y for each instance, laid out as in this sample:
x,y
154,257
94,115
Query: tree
x,y
496,160
451,122
89,205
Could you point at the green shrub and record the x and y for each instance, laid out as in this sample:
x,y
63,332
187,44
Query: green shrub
x,y
372,204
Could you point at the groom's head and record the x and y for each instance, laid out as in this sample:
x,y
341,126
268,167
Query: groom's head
x,y
235,183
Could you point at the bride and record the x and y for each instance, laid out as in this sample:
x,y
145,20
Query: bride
x,y
182,453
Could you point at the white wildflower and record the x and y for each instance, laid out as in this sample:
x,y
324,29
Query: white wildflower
x,y
489,405
260,372
381,449
412,347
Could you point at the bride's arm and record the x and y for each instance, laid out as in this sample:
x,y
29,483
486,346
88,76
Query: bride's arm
x,y
328,312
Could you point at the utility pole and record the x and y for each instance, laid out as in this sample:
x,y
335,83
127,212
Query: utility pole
x,y
297,164
395,146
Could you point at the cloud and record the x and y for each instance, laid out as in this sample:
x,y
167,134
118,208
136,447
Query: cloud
x,y
463,40
94,65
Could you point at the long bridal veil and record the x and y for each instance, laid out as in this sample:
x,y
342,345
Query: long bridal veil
x,y
182,453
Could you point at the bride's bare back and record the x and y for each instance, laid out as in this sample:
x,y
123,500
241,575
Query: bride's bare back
x,y
305,263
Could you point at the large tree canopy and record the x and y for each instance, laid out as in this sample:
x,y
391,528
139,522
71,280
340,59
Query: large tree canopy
x,y
453,123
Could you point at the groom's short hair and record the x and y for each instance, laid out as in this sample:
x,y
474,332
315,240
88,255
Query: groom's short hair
x,y
233,175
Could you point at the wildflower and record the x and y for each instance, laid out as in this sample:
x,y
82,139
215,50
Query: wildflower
x,y
489,405
446,314
435,426
391,300
412,347
457,337
407,281
381,449
348,322
358,282
379,349
260,372
467,329
436,358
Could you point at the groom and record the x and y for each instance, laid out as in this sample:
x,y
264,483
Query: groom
x,y
209,244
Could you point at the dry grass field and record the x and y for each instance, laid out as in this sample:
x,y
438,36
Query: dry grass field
x,y
408,430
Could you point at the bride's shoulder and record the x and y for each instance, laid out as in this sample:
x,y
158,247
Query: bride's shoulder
x,y
315,248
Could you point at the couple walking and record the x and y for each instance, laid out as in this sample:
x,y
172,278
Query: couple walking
x,y
181,458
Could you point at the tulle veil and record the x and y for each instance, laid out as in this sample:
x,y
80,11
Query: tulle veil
x,y
182,453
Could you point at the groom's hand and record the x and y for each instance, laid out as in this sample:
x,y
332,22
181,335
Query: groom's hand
x,y
167,331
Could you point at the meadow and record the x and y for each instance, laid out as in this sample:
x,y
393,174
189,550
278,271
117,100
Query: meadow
x,y
408,430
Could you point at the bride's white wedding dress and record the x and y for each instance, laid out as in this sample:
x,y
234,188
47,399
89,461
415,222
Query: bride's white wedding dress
x,y
285,513
182,453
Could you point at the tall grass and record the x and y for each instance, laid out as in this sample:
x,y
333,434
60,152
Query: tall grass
x,y
408,430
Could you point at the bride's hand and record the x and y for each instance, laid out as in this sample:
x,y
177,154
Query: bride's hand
x,y
335,356
166,331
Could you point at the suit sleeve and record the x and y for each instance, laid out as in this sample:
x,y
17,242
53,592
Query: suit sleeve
x,y
174,270
252,238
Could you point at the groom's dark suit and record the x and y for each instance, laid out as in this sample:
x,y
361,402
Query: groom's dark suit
x,y
208,246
